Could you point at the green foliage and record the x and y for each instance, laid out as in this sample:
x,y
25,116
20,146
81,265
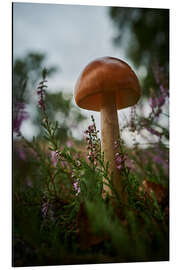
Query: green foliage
x,y
60,216
144,33
27,71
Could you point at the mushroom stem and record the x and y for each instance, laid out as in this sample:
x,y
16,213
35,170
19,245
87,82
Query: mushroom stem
x,y
110,134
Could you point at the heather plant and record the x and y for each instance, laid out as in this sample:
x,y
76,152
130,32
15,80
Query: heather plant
x,y
26,74
157,103
19,115
60,215
152,162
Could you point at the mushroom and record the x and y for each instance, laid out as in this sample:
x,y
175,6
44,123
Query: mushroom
x,y
108,84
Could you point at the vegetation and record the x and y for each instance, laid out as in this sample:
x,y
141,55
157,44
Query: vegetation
x,y
144,34
26,73
60,216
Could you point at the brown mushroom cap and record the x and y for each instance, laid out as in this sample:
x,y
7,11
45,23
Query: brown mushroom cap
x,y
107,74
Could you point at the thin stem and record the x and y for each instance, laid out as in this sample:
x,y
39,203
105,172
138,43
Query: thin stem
x,y
110,135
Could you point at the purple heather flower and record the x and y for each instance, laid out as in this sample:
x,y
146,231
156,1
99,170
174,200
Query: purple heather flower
x,y
19,106
161,101
86,132
90,153
44,209
153,102
19,116
163,90
91,128
39,92
153,131
87,147
22,154
69,143
54,158
17,124
47,209
115,144
158,159
76,187
41,104
158,112
63,164
57,153
92,144
119,160
119,167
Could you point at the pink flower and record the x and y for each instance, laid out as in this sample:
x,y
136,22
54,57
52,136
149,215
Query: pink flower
x,y
44,209
164,91
119,167
63,164
19,116
115,144
41,104
22,154
161,101
153,131
91,128
54,158
86,131
158,159
119,160
76,187
153,102
68,143
41,94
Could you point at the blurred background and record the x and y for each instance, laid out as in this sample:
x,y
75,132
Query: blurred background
x,y
64,39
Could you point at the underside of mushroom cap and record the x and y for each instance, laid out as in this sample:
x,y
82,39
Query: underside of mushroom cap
x,y
107,75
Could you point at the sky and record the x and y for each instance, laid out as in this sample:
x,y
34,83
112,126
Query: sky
x,y
70,35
